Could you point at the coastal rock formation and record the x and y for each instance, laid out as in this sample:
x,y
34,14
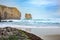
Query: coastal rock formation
x,y
9,12
28,16
9,33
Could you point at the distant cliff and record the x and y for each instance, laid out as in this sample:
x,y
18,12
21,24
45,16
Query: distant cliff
x,y
9,12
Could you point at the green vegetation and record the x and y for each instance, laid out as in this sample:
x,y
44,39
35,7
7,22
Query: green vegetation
x,y
14,37
21,36
11,37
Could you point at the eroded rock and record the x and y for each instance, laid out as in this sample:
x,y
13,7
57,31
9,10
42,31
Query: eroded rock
x,y
9,33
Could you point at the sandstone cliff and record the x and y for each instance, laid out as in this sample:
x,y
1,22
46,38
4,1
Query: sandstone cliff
x,y
9,12
28,16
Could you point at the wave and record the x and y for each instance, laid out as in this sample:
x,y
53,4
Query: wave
x,y
34,22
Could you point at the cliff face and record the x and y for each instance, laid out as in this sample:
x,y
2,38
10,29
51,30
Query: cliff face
x,y
28,16
9,12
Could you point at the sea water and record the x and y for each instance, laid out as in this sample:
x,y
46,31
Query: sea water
x,y
33,22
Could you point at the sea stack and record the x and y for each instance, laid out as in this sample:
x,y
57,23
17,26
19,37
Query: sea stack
x,y
9,12
28,16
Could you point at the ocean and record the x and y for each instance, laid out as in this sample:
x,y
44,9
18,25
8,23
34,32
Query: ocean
x,y
33,22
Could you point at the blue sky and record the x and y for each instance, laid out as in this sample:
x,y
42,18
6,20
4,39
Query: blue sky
x,y
38,8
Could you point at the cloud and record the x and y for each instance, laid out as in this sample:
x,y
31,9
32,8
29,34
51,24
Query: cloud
x,y
59,2
43,2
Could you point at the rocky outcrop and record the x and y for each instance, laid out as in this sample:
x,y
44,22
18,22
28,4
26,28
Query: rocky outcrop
x,y
9,33
9,12
28,16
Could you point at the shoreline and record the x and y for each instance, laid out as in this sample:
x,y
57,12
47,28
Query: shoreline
x,y
23,26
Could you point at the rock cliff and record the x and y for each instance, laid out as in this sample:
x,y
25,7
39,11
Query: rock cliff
x,y
9,12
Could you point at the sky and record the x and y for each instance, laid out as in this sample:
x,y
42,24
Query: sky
x,y
38,8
